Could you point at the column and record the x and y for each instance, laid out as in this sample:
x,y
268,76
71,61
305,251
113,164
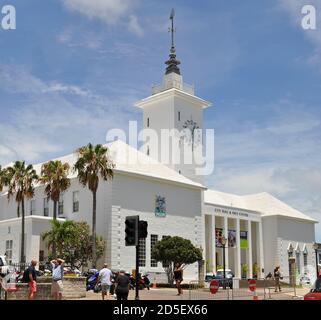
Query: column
x,y
261,250
213,246
249,240
238,251
226,246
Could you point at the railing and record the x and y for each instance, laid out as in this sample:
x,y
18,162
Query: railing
x,y
188,88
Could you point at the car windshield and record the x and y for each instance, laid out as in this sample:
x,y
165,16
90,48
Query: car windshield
x,y
221,273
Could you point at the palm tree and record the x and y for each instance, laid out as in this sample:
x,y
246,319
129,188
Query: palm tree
x,y
3,178
54,175
93,163
20,180
59,235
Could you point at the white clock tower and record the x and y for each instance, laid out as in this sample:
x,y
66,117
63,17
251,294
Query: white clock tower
x,y
173,108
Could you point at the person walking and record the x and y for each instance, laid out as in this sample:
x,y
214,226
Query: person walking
x,y
122,286
105,277
57,277
277,277
178,276
31,277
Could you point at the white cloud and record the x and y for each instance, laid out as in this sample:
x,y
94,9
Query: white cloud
x,y
294,8
51,119
280,156
134,26
111,12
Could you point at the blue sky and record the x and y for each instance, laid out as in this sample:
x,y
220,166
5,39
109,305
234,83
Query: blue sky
x,y
73,69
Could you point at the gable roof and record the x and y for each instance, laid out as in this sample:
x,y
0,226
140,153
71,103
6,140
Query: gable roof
x,y
264,203
129,160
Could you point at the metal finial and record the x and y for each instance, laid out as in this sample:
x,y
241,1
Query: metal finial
x,y
172,29
172,63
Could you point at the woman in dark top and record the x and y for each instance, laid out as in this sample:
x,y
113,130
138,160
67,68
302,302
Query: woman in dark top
x,y
178,276
122,286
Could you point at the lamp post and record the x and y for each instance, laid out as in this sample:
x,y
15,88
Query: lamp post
x,y
316,248
223,241
72,253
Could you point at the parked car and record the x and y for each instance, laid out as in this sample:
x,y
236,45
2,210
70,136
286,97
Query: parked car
x,y
209,277
315,292
228,281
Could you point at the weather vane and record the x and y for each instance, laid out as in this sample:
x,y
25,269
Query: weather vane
x,y
172,63
172,30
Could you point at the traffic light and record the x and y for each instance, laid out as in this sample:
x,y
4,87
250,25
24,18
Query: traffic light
x,y
131,231
142,231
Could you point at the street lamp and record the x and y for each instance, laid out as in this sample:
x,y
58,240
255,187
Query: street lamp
x,y
316,248
223,241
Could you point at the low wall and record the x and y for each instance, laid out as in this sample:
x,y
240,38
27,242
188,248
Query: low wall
x,y
74,288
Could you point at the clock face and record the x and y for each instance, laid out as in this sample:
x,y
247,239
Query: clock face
x,y
193,138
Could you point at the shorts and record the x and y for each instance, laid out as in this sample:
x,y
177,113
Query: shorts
x,y
57,287
32,287
105,288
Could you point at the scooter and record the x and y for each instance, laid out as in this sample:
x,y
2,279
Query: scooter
x,y
92,281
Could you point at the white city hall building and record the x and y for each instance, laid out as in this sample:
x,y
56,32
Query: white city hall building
x,y
262,231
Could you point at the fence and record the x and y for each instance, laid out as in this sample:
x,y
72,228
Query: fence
x,y
238,289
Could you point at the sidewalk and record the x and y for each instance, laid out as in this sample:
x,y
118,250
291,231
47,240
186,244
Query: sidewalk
x,y
171,294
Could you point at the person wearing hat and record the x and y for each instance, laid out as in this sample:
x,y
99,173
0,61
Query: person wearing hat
x,y
122,286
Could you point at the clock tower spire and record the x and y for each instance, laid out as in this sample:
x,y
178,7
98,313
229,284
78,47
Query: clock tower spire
x,y
172,63
173,107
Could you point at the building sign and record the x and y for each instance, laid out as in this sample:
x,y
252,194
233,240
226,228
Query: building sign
x,y
231,212
160,206
243,240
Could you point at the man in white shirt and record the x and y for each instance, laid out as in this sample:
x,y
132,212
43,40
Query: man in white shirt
x,y
105,276
57,277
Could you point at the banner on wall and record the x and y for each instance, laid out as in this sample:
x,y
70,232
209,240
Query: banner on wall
x,y
218,237
243,240
232,238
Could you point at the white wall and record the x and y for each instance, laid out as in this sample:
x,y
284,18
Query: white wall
x,y
278,233
132,196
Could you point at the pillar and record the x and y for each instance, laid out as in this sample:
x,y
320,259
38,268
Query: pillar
x,y
238,251
226,247
213,244
249,240
261,249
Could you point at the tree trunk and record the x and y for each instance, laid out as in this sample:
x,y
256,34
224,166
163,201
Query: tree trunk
x,y
55,210
54,247
18,210
22,256
94,261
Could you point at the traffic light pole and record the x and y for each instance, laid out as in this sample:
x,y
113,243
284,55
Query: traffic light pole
x,y
137,272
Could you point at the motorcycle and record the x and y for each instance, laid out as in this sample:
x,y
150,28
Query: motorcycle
x,y
144,282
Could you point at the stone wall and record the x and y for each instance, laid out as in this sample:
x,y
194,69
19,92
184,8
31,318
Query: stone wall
x,y
74,288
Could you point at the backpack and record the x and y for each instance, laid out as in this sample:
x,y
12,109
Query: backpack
x,y
25,277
